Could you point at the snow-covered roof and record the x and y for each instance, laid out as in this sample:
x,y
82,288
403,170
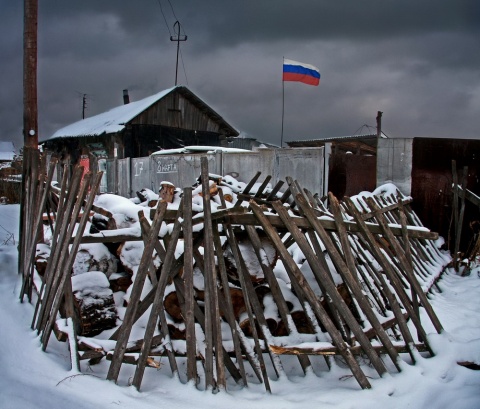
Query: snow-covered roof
x,y
115,119
7,151
111,121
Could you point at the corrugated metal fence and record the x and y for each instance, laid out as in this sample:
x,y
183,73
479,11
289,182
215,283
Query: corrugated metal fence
x,y
127,176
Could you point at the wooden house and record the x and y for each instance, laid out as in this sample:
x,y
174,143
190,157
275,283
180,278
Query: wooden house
x,y
172,118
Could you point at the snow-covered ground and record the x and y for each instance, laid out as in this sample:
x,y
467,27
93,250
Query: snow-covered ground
x,y
30,378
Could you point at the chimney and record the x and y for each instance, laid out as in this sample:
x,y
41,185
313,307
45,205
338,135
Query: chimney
x,y
126,98
379,124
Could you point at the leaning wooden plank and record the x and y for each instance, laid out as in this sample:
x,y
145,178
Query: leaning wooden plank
x,y
275,190
348,274
188,277
408,270
236,253
228,311
237,334
54,254
58,256
137,288
30,215
248,188
408,255
294,271
339,321
213,340
37,227
157,304
200,317
251,300
263,186
276,291
469,195
151,269
55,232
390,323
329,225
392,276
331,350
384,209
145,303
67,266
322,276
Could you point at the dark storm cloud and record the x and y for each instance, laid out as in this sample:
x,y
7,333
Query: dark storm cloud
x,y
417,61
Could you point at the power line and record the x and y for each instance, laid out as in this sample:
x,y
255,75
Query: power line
x,y
178,35
164,18
183,66
174,15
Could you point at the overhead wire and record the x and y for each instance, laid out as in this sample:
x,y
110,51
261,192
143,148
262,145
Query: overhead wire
x,y
170,32
164,17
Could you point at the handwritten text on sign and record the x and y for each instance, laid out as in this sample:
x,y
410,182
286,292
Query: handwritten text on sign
x,y
167,166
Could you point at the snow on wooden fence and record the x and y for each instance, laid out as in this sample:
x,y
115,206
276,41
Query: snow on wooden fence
x,y
234,277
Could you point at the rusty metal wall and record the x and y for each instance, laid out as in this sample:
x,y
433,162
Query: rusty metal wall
x,y
350,174
432,181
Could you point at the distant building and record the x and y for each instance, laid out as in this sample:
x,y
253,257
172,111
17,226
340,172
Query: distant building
x,y
246,143
170,119
7,151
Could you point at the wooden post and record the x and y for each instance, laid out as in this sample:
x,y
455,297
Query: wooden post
x,y
276,292
57,256
248,187
157,304
227,303
188,277
30,113
130,313
458,231
295,273
322,276
212,314
67,267
408,270
348,274
394,280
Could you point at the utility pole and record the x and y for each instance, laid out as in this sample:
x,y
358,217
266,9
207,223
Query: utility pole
x,y
30,109
177,38
84,105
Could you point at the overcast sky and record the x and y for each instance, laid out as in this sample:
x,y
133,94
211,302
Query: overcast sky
x,y
418,61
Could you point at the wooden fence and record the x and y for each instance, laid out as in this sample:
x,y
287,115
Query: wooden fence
x,y
371,260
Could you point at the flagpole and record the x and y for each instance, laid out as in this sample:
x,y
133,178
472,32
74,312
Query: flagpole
x,y
283,104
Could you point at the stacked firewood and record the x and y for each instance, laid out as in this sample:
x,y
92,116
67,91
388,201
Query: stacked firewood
x,y
223,272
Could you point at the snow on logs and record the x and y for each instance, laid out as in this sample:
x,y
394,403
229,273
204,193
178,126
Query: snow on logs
x,y
266,283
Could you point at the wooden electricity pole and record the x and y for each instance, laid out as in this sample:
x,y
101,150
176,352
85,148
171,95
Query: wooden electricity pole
x,y
31,156
30,110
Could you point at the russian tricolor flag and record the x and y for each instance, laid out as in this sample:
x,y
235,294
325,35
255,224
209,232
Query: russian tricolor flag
x,y
298,71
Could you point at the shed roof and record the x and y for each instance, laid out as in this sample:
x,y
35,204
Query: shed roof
x,y
322,141
115,119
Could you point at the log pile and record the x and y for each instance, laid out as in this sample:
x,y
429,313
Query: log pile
x,y
93,303
255,277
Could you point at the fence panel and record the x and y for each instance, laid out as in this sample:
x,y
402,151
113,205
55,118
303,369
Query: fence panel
x,y
305,165
141,175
